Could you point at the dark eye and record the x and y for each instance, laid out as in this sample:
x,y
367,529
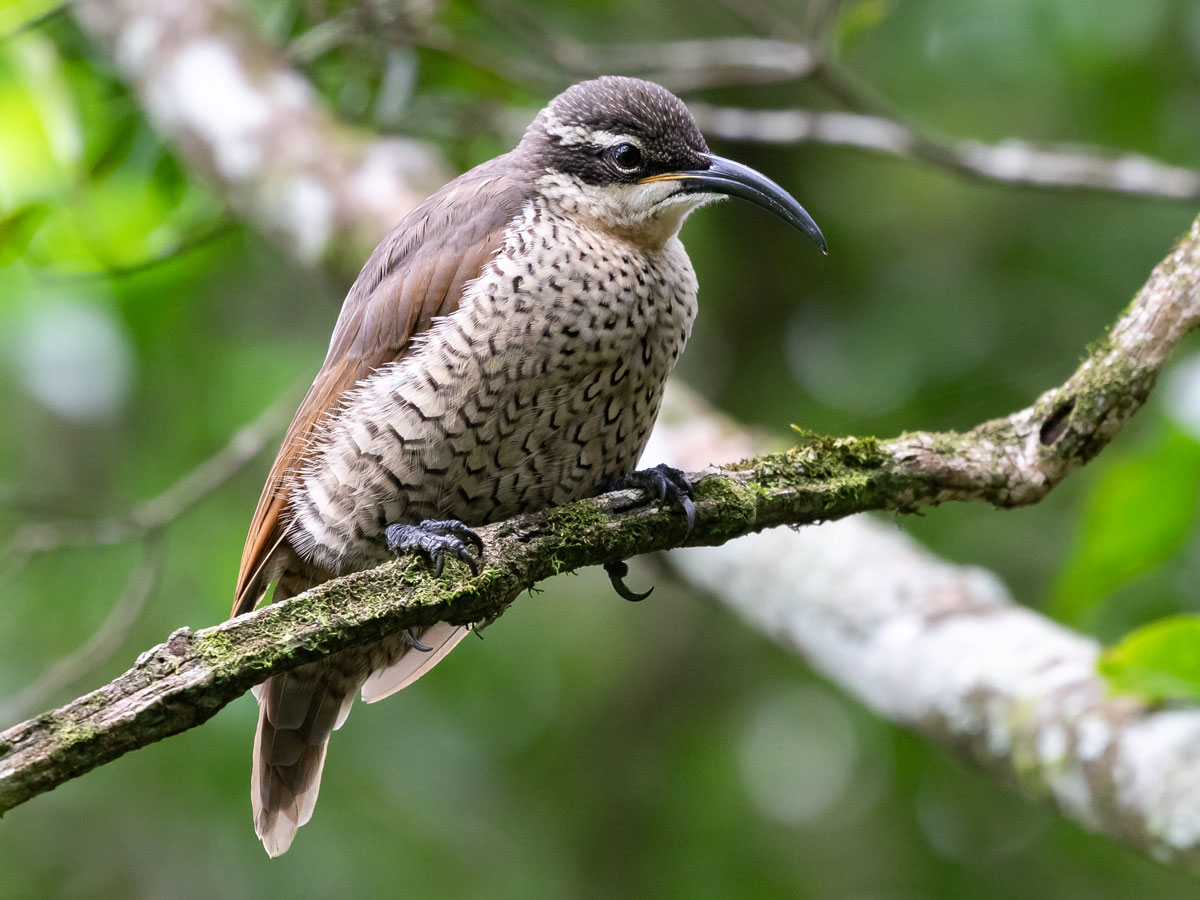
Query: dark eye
x,y
626,157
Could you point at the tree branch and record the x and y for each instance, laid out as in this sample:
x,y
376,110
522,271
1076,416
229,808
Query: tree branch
x,y
693,65
255,127
102,643
875,125
944,650
1007,462
1009,162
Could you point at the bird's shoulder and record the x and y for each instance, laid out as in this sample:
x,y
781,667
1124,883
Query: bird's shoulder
x,y
418,272
421,266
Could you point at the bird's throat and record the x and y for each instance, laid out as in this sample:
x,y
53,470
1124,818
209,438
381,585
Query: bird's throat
x,y
645,215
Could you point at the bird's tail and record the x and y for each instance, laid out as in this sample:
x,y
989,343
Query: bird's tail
x,y
300,709
297,712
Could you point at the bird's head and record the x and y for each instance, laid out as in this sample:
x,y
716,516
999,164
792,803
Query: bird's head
x,y
627,154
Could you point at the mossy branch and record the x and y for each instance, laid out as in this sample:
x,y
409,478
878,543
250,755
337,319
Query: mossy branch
x,y
1007,462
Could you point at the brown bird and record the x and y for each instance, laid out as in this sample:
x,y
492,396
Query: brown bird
x,y
503,350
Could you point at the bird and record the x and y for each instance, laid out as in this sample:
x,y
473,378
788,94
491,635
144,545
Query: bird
x,y
503,350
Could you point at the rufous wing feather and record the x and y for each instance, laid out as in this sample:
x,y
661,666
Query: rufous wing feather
x,y
417,273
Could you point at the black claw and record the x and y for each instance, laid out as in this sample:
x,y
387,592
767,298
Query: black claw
x,y
617,571
471,561
671,485
412,641
456,528
434,539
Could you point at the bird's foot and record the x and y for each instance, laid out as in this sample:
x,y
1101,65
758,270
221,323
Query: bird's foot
x,y
411,640
436,539
616,574
667,483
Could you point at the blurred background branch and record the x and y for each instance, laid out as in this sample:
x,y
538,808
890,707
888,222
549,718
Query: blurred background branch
x,y
256,128
872,123
104,641
943,649
1011,161
147,519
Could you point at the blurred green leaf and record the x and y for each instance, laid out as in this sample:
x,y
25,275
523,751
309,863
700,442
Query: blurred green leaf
x,y
18,14
114,151
1140,511
170,179
857,18
17,228
1160,661
39,127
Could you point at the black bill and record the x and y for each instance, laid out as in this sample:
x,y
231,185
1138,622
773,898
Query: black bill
x,y
724,176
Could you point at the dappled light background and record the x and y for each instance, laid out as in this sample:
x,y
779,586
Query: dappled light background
x,y
586,747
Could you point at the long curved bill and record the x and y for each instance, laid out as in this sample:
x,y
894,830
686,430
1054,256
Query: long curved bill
x,y
724,176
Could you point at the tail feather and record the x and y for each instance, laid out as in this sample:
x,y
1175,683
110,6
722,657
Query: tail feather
x,y
300,709
297,713
441,638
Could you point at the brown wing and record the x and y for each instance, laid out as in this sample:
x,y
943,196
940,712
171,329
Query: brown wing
x,y
418,272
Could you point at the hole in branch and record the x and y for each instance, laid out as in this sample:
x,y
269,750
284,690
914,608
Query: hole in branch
x,y
1055,425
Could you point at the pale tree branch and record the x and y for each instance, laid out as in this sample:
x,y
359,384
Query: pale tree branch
x,y
1006,462
1014,162
692,65
875,125
254,126
944,650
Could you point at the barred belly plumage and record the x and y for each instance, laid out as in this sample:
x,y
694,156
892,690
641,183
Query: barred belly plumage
x,y
539,390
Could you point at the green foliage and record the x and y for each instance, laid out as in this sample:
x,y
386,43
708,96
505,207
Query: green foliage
x,y
18,228
81,191
1141,509
1160,661
16,15
854,19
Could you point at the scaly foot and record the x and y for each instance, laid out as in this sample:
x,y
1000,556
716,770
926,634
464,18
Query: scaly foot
x,y
670,485
435,539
